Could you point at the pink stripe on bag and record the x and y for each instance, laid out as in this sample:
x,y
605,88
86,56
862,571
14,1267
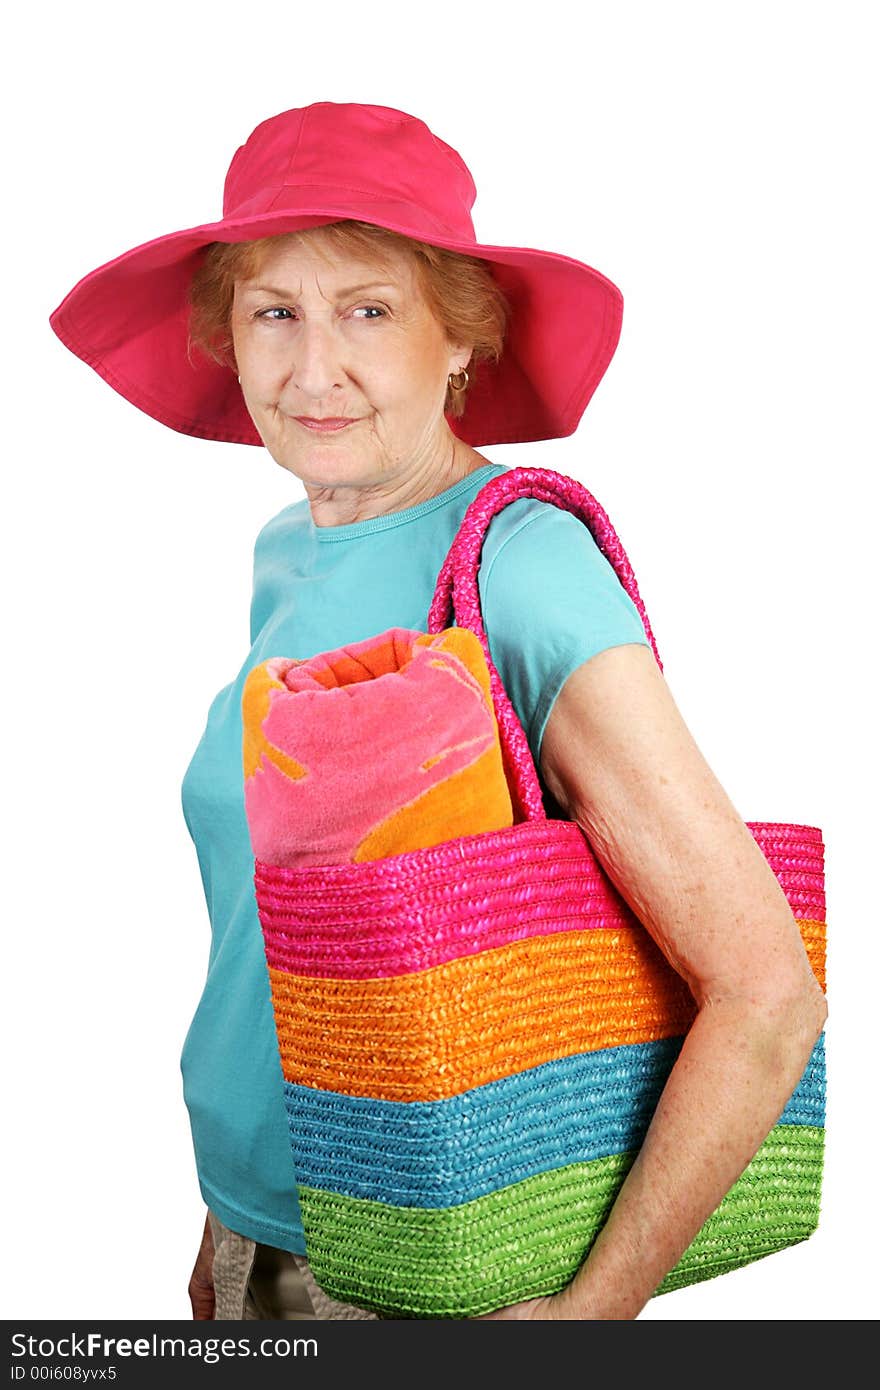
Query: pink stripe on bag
x,y
415,911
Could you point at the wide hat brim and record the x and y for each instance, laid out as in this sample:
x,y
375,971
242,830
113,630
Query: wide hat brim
x,y
129,320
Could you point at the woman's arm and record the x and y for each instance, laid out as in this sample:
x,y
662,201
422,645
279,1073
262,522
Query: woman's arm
x,y
621,762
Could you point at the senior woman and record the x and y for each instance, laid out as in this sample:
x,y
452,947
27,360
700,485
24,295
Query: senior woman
x,y
343,315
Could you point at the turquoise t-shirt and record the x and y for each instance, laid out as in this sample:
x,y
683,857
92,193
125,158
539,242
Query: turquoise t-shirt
x,y
550,601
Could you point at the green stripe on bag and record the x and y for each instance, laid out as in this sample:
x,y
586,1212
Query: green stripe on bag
x,y
530,1238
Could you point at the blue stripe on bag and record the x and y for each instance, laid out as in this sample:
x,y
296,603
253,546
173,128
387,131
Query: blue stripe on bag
x,y
445,1152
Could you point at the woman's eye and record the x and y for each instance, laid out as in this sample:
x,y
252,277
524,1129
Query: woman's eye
x,y
279,314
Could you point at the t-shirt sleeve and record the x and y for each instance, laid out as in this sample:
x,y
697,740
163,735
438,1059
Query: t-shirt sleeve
x,y
550,601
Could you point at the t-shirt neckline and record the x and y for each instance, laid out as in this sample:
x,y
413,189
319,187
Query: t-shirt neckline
x,y
351,530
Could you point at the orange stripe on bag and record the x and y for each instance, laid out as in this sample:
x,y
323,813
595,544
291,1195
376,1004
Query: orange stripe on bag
x,y
438,1032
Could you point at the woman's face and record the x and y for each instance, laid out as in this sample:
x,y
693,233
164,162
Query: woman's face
x,y
343,366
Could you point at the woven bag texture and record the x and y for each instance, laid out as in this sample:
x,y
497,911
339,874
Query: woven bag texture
x,y
474,1036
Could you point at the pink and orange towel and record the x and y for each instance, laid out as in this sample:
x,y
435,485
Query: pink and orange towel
x,y
383,746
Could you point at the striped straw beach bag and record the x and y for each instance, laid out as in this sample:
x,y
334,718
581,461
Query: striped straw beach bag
x,y
474,1035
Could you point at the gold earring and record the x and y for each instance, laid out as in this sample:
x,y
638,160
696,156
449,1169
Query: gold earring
x,y
459,380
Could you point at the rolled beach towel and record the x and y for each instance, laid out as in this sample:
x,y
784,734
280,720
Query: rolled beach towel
x,y
379,747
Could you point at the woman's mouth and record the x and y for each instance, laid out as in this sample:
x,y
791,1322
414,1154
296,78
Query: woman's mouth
x,y
328,425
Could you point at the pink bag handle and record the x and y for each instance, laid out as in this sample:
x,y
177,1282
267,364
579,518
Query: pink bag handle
x,y
457,596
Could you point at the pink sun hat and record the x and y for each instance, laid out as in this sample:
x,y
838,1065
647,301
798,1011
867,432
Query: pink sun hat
x,y
328,162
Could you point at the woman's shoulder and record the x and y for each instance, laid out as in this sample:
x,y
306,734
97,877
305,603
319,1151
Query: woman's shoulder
x,y
284,526
539,535
541,566
551,600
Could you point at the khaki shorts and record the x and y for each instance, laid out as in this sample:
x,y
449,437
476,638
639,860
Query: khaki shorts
x,y
258,1282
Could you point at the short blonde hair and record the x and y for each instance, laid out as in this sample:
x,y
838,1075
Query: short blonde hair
x,y
460,290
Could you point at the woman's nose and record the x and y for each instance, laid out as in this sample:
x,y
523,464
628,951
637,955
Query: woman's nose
x,y
317,359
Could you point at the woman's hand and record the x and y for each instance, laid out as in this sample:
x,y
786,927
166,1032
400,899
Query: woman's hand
x,y
201,1284
559,1307
532,1309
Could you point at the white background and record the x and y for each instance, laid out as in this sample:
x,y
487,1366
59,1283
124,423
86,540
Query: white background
x,y
718,162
